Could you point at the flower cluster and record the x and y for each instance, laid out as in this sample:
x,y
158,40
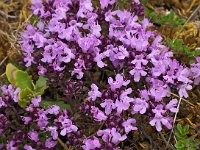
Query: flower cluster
x,y
71,32
195,70
39,127
77,38
110,105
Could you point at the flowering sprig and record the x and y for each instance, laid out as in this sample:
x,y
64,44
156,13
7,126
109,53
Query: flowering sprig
x,y
71,40
31,122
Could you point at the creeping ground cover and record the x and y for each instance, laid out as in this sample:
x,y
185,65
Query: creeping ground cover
x,y
93,74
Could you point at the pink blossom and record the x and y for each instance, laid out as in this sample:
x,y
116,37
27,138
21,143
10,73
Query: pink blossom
x,y
118,83
94,93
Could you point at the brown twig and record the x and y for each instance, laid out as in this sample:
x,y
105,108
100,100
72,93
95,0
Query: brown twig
x,y
1,63
62,144
164,139
6,15
174,121
181,98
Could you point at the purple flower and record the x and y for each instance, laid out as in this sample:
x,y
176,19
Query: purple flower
x,y
105,134
37,7
182,90
10,91
54,110
172,105
96,29
53,131
88,43
49,143
118,83
195,70
137,73
116,136
29,59
15,95
159,68
108,105
39,39
158,93
139,61
91,144
129,125
183,75
159,110
140,106
79,73
98,59
170,77
42,70
111,135
35,101
26,120
86,7
33,135
60,13
2,103
158,120
105,3
121,106
28,147
94,93
137,1
42,120
79,66
66,125
40,25
139,43
145,21
144,94
124,96
98,114
11,145
117,53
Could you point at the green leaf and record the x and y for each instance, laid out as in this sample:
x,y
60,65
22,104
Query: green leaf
x,y
178,135
186,129
23,80
25,96
41,85
34,19
10,73
180,132
48,103
179,127
180,145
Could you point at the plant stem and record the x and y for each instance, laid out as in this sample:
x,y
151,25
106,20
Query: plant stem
x,y
174,122
62,144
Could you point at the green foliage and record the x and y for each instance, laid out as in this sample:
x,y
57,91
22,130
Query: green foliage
x,y
48,103
170,19
34,19
184,142
10,73
24,97
41,85
178,45
21,79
